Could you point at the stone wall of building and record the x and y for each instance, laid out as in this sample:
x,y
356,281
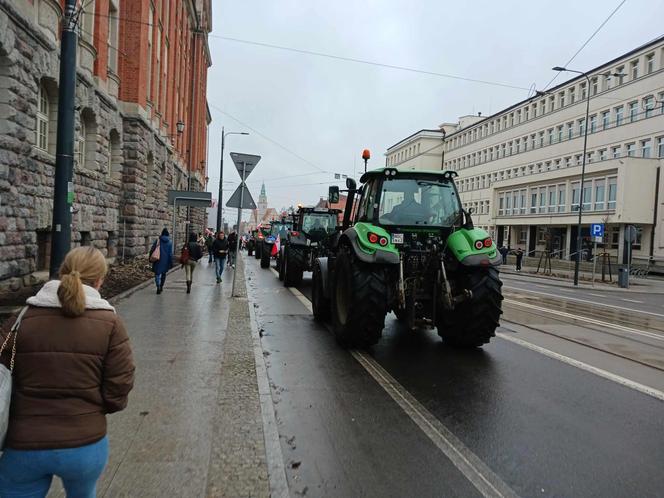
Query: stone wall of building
x,y
123,169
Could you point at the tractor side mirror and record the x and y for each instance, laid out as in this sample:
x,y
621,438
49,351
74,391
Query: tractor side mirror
x,y
333,194
350,184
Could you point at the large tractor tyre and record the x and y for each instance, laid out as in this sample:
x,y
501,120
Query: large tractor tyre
x,y
293,266
359,301
319,303
257,252
280,263
473,323
266,254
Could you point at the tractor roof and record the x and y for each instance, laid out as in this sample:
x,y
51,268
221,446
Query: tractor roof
x,y
408,172
322,210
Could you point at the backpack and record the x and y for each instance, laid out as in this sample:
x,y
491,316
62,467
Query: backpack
x,y
184,255
155,255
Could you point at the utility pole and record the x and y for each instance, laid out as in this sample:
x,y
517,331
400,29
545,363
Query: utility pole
x,y
221,181
63,191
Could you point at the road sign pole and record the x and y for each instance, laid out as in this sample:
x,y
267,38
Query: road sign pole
x,y
594,260
237,235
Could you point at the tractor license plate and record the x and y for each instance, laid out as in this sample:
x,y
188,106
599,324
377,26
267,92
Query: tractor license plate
x,y
397,238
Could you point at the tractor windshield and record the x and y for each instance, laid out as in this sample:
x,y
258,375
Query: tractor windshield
x,y
413,201
319,222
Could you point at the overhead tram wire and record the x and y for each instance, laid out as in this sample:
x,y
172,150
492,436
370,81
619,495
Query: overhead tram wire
x,y
585,43
338,57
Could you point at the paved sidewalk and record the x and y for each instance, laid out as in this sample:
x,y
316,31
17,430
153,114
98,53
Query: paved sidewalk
x,y
193,427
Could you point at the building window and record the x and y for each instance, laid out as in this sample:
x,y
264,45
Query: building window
x,y
541,139
561,99
151,21
552,199
660,99
572,95
633,111
615,152
87,23
645,148
593,123
113,30
550,132
634,69
542,199
532,141
522,201
599,194
575,196
606,115
602,154
535,110
41,131
570,131
568,162
526,111
114,169
561,197
582,126
649,106
619,115
518,116
613,187
660,147
552,103
594,86
631,149
79,146
621,74
583,91
587,193
533,201
560,133
650,63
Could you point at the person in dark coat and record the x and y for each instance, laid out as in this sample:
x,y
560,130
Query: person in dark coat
x,y
220,250
504,251
232,245
195,253
519,257
165,262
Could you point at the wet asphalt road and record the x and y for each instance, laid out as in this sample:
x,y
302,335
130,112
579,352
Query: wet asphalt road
x,y
543,427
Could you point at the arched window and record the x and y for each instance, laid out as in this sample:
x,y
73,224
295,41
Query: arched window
x,y
41,130
79,145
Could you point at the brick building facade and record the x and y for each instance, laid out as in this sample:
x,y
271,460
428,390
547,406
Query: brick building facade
x,y
141,125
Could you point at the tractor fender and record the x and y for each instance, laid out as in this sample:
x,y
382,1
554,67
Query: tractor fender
x,y
482,260
324,274
379,256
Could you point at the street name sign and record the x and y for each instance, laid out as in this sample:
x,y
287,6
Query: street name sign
x,y
190,198
247,200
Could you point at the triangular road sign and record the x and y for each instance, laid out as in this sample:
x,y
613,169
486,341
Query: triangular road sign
x,y
247,200
246,161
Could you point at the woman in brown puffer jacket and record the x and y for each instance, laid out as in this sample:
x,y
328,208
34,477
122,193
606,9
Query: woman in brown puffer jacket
x,y
73,366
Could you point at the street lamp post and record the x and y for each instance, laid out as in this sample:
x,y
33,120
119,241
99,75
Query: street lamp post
x,y
221,172
579,239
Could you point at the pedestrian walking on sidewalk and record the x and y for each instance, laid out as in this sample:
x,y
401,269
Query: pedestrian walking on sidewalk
x,y
519,257
209,240
232,246
504,251
220,250
191,253
73,365
162,259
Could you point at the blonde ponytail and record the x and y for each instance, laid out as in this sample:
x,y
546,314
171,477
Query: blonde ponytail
x,y
71,294
83,265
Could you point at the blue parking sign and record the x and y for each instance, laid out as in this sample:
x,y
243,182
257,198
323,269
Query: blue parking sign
x,y
597,230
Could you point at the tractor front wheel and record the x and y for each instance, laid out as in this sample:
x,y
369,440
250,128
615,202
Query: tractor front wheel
x,y
265,256
359,301
319,303
280,263
257,252
293,266
473,322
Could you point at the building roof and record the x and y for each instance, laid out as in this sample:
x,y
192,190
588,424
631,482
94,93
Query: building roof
x,y
423,131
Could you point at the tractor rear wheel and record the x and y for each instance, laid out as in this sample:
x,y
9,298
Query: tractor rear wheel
x,y
473,322
293,266
257,252
280,263
319,303
359,301
266,254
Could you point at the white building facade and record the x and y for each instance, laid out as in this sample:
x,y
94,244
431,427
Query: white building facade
x,y
520,169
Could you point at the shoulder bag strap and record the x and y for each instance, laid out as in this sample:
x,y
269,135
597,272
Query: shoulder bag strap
x,y
14,331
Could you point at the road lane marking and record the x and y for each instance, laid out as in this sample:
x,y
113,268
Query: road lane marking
x,y
631,300
473,469
596,295
643,333
586,301
650,391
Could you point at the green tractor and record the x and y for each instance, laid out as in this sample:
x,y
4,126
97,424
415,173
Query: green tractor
x,y
262,231
413,250
310,237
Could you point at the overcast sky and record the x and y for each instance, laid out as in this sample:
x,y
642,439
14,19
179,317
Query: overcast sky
x,y
326,111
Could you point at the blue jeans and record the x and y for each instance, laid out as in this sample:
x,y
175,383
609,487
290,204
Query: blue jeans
x,y
160,279
28,473
219,264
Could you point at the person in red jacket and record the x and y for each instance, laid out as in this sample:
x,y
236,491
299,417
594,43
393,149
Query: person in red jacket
x,y
73,366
